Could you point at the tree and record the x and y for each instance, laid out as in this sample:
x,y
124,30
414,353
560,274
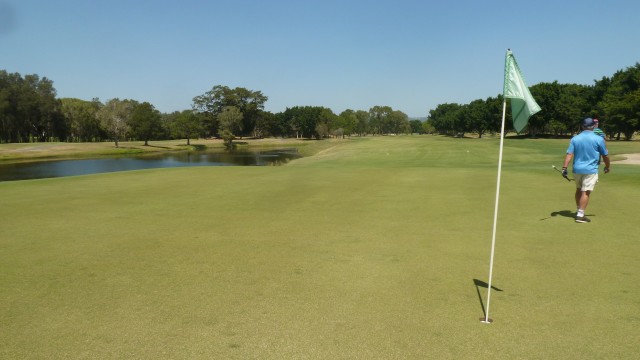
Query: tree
x,y
81,120
114,117
230,123
186,124
623,114
12,129
304,120
29,109
444,118
348,122
494,113
266,125
476,115
249,103
362,128
322,130
281,125
51,121
428,128
379,119
326,123
547,95
572,107
397,122
416,126
145,122
621,103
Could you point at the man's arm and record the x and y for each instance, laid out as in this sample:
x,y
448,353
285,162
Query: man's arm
x,y
605,156
567,160
607,163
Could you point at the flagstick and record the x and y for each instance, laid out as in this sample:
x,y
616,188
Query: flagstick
x,y
486,319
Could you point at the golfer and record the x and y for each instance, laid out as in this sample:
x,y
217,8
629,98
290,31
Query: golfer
x,y
597,130
585,149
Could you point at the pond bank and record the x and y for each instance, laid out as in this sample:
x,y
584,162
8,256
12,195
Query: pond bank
x,y
27,152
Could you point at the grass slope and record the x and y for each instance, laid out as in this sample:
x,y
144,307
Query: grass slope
x,y
373,248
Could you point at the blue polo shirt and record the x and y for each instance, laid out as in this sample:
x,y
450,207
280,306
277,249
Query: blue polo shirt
x,y
586,148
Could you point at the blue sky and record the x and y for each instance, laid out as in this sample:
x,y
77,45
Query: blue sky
x,y
344,54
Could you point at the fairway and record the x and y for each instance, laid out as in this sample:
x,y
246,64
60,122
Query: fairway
x,y
373,248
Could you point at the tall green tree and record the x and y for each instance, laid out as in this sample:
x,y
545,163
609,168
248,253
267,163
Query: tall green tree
x,y
81,120
494,113
145,122
621,103
379,122
230,124
444,118
328,122
266,125
348,122
52,122
397,122
416,126
11,129
115,116
428,128
547,95
308,121
29,109
281,125
363,122
250,103
476,117
572,107
186,124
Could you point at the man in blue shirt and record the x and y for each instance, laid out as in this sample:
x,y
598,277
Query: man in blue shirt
x,y
585,149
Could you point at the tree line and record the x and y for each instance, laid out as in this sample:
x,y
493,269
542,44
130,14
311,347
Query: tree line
x,y
615,101
31,112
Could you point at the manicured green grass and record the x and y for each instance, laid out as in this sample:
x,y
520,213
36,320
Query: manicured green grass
x,y
367,250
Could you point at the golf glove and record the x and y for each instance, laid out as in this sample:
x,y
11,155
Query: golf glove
x,y
564,172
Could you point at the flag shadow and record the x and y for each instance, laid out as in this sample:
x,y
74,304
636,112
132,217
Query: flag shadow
x,y
478,284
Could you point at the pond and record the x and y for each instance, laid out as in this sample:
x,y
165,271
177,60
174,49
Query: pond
x,y
60,168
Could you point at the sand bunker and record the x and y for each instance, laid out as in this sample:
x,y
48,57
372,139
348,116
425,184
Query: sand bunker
x,y
630,159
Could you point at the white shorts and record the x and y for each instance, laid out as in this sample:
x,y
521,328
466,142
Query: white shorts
x,y
586,182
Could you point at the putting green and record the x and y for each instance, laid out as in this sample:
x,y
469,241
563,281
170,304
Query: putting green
x,y
372,248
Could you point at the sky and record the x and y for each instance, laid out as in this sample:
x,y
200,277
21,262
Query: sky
x,y
340,54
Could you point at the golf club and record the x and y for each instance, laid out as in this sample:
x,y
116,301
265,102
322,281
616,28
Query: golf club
x,y
566,177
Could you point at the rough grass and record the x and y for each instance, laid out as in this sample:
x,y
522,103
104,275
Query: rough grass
x,y
373,248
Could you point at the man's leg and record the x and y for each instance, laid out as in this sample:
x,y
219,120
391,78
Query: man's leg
x,y
578,196
584,184
584,200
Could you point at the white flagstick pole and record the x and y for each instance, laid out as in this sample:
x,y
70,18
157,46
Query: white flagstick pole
x,y
495,214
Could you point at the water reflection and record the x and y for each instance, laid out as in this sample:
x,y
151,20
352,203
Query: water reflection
x,y
59,168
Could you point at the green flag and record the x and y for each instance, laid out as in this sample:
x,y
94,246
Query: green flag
x,y
523,105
